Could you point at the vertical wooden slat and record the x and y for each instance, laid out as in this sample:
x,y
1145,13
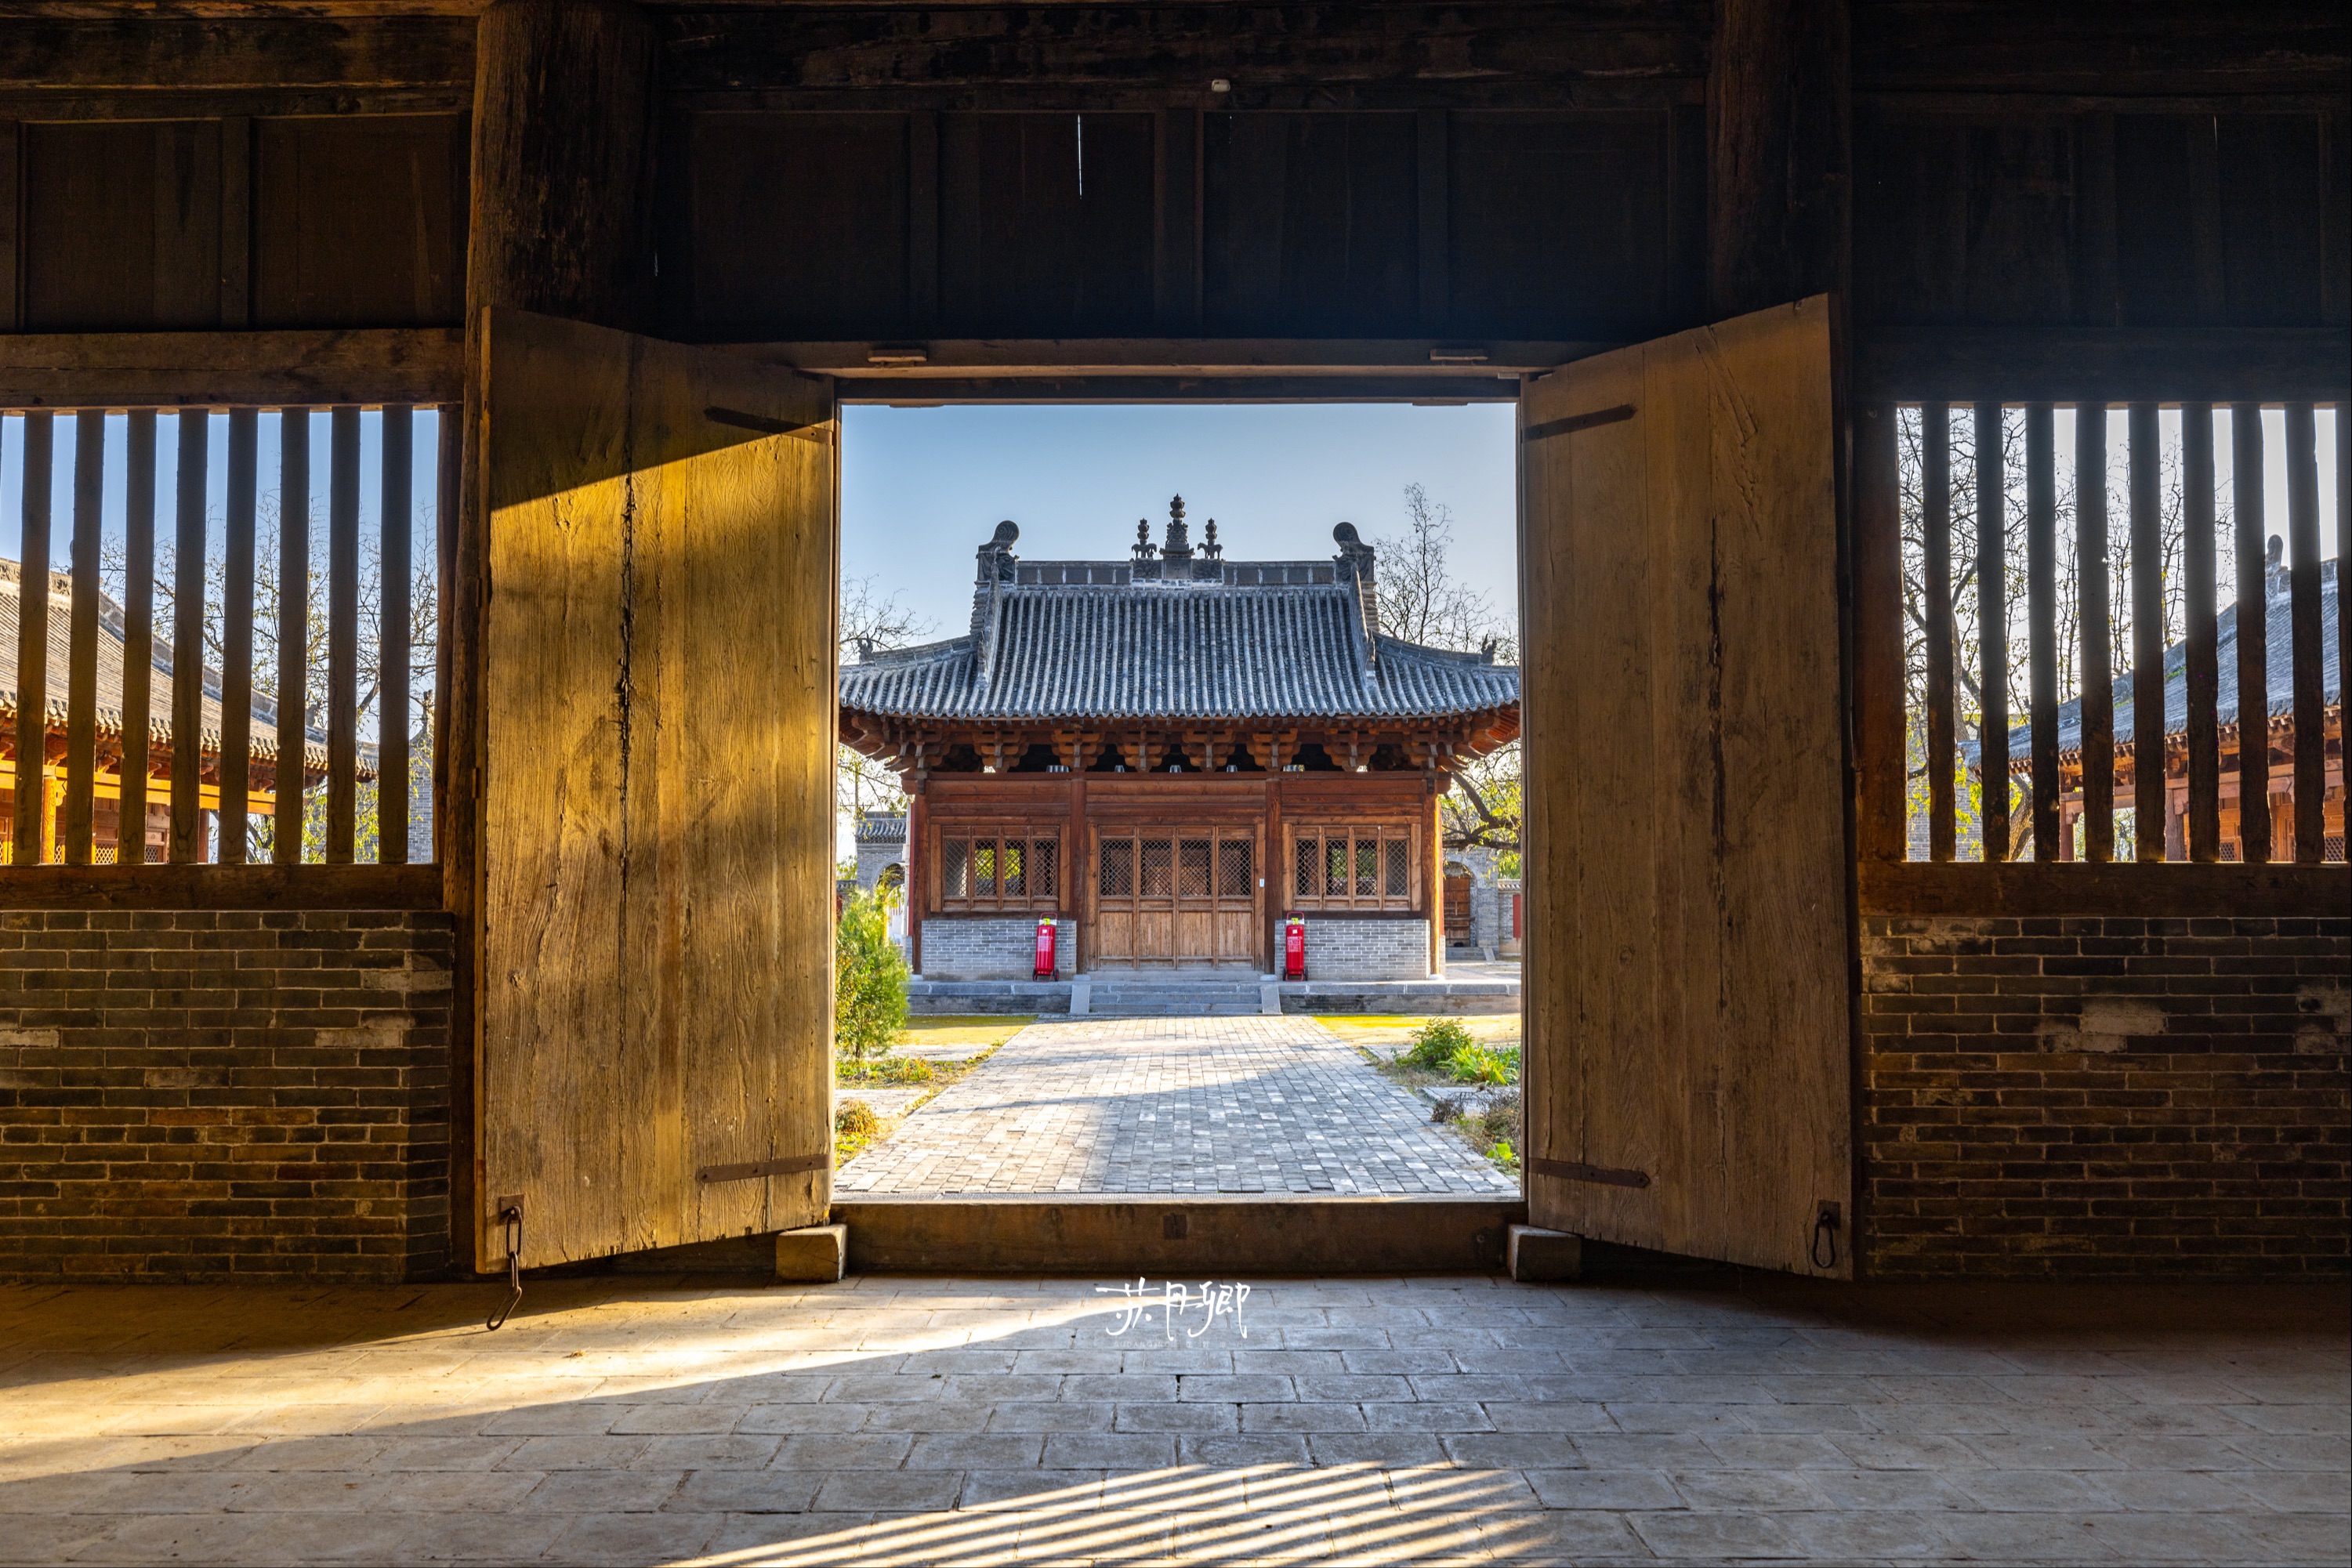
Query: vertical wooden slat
x,y
2093,626
32,736
236,635
2304,634
342,633
2146,458
1879,760
293,631
1936,485
81,657
2198,588
188,639
392,638
137,632
2254,634
448,471
1992,627
2042,613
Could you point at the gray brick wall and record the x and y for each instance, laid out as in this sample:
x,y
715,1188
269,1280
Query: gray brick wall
x,y
224,1095
1340,948
991,947
2109,1095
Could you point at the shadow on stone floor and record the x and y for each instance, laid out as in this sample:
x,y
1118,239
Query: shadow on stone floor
x,y
888,1420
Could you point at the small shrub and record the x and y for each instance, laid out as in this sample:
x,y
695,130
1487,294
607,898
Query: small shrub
x,y
1498,1119
1476,1065
1502,1153
856,1120
869,978
1444,1111
1436,1043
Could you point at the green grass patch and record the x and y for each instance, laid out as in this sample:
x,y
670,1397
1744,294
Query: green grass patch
x,y
858,1126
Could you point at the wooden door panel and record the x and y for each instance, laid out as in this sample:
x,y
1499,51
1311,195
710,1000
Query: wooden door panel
x,y
654,1056
1155,936
1115,941
1685,926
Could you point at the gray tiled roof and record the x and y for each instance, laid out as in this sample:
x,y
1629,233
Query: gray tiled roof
x,y
110,651
1175,650
2278,672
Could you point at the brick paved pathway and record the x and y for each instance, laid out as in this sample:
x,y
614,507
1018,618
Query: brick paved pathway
x,y
1173,1105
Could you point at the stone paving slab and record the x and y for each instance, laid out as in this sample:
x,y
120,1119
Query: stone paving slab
x,y
951,1421
1259,1104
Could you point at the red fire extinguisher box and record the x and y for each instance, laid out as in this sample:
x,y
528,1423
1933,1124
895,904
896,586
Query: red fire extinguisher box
x,y
1294,947
1045,970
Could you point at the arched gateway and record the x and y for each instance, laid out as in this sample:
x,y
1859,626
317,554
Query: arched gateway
x,y
1166,754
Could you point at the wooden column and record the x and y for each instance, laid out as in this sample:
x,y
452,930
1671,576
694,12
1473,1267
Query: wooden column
x,y
1778,158
560,224
918,872
1073,861
1436,898
1276,870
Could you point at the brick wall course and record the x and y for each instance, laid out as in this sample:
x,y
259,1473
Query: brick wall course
x,y
2105,1095
224,1095
1343,949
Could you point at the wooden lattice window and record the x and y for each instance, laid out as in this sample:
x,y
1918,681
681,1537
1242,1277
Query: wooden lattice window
x,y
997,870
1352,868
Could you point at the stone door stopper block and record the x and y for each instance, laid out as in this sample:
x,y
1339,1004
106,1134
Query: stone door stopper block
x,y
1544,1257
817,1254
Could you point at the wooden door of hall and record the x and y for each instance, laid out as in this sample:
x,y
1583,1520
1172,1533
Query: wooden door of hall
x,y
1180,898
1685,940
654,1047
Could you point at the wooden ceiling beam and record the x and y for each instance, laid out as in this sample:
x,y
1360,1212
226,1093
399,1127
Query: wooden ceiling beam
x,y
169,370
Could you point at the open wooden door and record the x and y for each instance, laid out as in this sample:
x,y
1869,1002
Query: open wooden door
x,y
1685,940
659,695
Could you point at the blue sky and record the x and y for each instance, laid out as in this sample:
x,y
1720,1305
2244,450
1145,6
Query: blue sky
x,y
923,488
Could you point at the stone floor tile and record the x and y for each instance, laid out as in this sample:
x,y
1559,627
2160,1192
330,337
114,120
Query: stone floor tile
x,y
1239,1452
2024,1538
940,1416
1563,1536
1300,1415
1901,1490
782,1539
745,1491
856,1491
285,1540
1746,1537
1153,1417
632,1538
977,1451
173,1538
842,1451
1845,1538
1063,1415
1107,1450
1429,1416
1639,1451
1383,1449
466,1538
1031,1488
1234,1389
785,1419
1621,1490
2028,1491
737,1451
1767,1489
605,1491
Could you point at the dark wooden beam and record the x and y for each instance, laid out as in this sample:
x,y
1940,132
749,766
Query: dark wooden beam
x,y
2125,888
221,887
1779,163
2065,364
153,370
137,49
2153,46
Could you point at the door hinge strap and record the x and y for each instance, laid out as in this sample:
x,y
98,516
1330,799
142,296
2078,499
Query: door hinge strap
x,y
757,1169
1571,1170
